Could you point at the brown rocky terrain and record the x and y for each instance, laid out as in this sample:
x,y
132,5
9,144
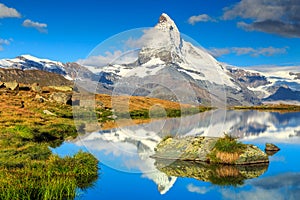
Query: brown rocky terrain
x,y
33,76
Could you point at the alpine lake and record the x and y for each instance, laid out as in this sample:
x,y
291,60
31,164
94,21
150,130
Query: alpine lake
x,y
127,171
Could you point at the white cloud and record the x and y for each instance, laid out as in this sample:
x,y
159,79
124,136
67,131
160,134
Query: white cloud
x,y
279,17
196,189
116,57
4,42
262,51
151,38
217,52
275,68
256,193
200,18
41,27
6,12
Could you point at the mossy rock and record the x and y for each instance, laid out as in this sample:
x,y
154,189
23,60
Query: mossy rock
x,y
209,149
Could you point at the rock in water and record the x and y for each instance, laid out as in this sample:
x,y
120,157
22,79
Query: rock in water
x,y
271,148
204,149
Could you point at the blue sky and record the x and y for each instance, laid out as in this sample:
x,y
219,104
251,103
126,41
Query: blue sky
x,y
238,32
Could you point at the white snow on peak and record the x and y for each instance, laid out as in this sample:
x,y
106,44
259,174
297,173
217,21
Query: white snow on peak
x,y
48,62
199,60
29,62
147,69
172,35
4,63
166,24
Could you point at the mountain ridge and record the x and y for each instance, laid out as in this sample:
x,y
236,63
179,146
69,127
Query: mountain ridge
x,y
168,67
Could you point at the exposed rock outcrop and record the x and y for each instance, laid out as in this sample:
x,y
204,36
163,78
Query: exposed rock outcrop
x,y
204,149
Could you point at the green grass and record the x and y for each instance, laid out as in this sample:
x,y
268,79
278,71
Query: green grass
x,y
226,150
53,178
159,113
229,144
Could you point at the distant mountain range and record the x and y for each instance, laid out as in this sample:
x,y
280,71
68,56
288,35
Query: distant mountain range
x,y
168,67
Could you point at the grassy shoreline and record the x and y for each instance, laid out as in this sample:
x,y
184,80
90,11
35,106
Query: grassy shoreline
x,y
28,168
31,122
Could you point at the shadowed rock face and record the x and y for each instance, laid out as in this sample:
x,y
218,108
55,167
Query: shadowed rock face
x,y
204,149
217,174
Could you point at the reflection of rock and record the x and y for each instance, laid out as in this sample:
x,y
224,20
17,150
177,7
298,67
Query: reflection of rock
x,y
216,174
201,148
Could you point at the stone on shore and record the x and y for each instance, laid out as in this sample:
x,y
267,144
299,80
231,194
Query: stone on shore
x,y
14,86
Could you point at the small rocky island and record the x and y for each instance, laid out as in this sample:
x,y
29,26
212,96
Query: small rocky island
x,y
222,161
226,150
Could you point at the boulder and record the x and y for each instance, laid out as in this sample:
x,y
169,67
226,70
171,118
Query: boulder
x,y
14,86
39,98
204,149
36,87
60,97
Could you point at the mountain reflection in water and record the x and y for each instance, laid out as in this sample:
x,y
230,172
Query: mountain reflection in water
x,y
128,148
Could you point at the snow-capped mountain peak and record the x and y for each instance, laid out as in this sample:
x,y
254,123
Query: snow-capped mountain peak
x,y
47,62
167,60
164,37
166,24
29,62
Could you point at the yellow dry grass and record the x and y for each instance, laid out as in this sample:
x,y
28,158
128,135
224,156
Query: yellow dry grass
x,y
22,108
123,123
227,157
123,103
31,113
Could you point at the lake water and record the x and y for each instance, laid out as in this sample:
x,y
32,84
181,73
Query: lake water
x,y
127,171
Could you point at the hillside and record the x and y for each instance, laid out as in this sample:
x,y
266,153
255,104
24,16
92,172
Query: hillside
x,y
43,78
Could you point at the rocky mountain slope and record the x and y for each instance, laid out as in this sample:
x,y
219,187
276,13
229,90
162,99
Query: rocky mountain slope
x,y
282,85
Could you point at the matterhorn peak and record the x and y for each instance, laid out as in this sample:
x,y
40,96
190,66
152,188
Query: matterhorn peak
x,y
165,23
